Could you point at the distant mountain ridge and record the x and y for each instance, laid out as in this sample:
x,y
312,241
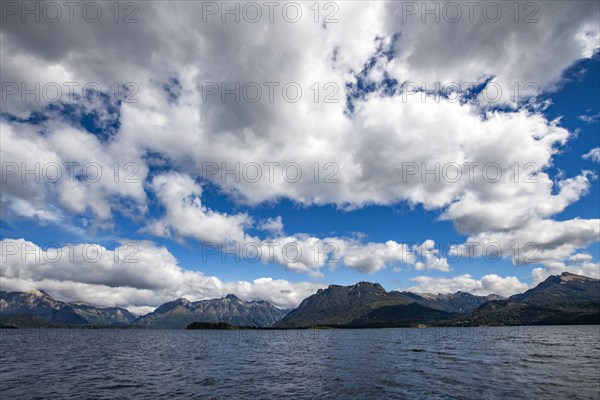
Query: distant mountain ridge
x,y
342,305
563,299
459,302
103,315
560,299
178,314
37,306
566,287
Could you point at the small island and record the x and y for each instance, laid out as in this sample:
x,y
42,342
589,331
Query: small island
x,y
220,326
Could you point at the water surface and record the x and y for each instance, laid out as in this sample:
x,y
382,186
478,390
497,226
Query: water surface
x,y
435,363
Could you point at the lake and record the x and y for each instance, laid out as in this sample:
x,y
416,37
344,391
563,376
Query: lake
x,y
553,362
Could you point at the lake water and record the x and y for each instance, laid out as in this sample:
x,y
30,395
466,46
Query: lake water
x,y
434,363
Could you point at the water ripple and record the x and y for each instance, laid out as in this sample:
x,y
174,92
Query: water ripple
x,y
456,363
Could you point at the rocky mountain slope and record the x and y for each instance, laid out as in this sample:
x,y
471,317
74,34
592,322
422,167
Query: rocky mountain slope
x,y
340,305
27,308
559,300
459,302
103,315
401,315
563,299
561,289
178,314
370,304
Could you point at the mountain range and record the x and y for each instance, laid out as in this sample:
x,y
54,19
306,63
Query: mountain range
x,y
180,313
565,299
38,308
364,301
560,299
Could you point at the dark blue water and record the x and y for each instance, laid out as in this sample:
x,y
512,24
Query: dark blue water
x,y
433,363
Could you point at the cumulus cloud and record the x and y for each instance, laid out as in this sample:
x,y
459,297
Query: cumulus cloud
x,y
484,169
68,171
368,147
488,284
374,256
136,275
490,40
432,259
541,241
272,225
185,216
579,263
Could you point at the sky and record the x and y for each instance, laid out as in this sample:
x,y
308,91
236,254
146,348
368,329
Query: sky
x,y
156,150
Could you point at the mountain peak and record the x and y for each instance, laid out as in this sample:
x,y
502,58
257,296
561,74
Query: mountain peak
x,y
570,277
38,293
178,302
368,285
365,283
561,289
338,305
44,308
229,309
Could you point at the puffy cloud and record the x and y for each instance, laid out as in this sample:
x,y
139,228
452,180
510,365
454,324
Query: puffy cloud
x,y
488,284
432,259
540,241
490,168
186,216
579,263
514,47
368,148
68,171
372,257
272,225
513,206
136,275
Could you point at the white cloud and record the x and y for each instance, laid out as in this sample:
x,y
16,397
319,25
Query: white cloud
x,y
186,215
540,241
67,171
593,155
373,257
589,118
368,146
432,259
370,150
143,276
514,52
488,284
590,269
579,263
273,226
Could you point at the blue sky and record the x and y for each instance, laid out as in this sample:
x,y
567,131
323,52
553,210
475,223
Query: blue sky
x,y
174,210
